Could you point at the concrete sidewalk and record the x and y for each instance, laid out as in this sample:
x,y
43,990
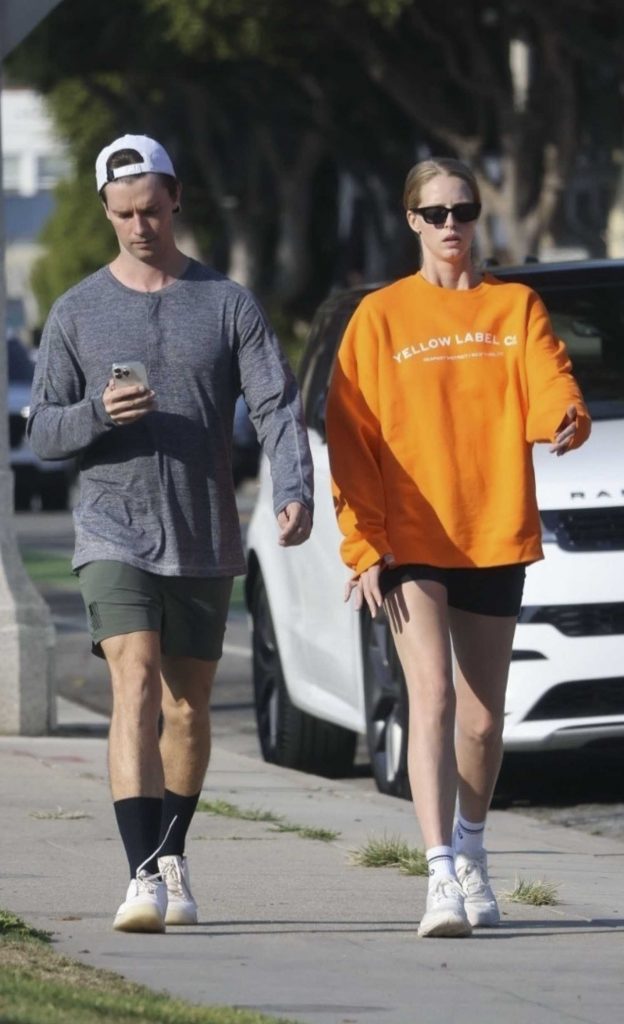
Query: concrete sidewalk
x,y
288,925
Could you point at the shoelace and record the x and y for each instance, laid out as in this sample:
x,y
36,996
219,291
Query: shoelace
x,y
148,883
154,879
172,875
474,877
445,888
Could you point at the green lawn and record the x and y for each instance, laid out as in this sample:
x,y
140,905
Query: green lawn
x,y
37,986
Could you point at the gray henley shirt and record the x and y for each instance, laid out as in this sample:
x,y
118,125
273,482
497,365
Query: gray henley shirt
x,y
158,493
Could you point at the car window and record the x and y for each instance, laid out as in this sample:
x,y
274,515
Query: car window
x,y
21,368
319,359
591,322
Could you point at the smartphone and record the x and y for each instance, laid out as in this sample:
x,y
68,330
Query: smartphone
x,y
130,373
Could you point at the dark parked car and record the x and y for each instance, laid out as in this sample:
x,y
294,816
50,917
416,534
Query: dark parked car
x,y
49,481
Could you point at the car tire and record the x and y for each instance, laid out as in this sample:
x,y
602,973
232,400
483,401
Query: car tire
x,y
54,491
386,706
288,736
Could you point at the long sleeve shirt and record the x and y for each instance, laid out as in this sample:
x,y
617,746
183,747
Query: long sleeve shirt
x,y
159,493
436,399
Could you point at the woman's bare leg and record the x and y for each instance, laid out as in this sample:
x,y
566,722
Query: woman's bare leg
x,y
482,646
417,612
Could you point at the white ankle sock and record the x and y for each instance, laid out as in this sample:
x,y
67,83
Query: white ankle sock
x,y
441,862
468,836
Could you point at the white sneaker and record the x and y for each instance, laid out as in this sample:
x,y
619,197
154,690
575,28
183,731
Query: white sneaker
x,y
445,916
145,905
479,900
181,907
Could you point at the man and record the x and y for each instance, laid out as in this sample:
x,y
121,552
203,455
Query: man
x,y
157,533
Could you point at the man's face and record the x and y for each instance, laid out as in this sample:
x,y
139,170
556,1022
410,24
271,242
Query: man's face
x,y
141,212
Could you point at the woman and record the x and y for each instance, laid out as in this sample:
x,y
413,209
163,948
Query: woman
x,y
443,382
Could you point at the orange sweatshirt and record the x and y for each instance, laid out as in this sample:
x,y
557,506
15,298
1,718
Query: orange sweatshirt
x,y
436,399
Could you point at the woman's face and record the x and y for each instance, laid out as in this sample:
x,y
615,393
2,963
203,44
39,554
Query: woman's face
x,y
451,240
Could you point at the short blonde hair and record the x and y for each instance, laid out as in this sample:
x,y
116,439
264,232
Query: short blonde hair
x,y
426,170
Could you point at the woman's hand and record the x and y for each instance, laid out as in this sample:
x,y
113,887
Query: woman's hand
x,y
366,586
565,433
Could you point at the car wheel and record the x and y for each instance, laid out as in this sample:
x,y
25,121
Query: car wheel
x,y
54,491
289,737
386,705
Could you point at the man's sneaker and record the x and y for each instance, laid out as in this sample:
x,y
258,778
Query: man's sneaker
x,y
479,900
145,905
445,916
181,908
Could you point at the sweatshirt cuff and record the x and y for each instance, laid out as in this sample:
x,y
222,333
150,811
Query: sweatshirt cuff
x,y
100,412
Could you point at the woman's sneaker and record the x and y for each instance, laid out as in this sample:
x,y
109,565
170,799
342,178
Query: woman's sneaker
x,y
181,907
479,900
445,916
145,905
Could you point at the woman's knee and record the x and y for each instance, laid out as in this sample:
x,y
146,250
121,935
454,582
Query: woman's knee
x,y
484,728
432,701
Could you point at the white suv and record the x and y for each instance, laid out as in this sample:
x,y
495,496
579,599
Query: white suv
x,y
324,674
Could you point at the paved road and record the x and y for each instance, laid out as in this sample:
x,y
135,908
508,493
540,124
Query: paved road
x,y
577,790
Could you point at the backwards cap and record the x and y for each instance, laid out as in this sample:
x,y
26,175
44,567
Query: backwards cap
x,y
154,158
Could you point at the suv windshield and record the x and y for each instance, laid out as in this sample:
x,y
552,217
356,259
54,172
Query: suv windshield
x,y
21,369
591,322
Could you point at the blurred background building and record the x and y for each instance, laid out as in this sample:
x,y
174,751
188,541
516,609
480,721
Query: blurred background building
x,y
34,160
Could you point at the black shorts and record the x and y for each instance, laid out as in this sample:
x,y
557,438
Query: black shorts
x,y
492,591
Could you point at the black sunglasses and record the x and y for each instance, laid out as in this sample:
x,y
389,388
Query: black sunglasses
x,y
463,213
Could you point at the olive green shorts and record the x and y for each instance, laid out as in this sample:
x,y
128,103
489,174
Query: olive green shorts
x,y
189,612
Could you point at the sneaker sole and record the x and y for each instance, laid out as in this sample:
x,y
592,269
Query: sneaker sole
x,y
181,915
440,926
139,919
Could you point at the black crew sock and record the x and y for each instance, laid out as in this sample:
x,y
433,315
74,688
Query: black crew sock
x,y
182,808
138,820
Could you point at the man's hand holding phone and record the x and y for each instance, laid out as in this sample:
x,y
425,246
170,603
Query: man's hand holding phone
x,y
128,396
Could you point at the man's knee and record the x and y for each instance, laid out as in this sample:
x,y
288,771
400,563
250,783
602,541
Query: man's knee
x,y
134,668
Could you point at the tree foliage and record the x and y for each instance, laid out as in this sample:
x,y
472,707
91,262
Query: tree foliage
x,y
273,110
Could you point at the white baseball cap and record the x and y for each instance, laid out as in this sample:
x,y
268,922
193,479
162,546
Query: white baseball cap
x,y
154,158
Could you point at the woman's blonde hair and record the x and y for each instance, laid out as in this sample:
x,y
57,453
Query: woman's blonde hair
x,y
424,171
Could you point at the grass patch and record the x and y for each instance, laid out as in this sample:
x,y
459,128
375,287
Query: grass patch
x,y
228,810
12,927
391,852
538,893
237,600
48,567
37,986
414,863
323,835
59,815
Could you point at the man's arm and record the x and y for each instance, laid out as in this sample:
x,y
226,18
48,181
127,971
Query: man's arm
x,y
295,523
274,404
63,419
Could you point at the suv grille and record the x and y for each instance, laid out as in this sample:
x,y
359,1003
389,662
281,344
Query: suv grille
x,y
587,529
578,619
17,429
585,699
